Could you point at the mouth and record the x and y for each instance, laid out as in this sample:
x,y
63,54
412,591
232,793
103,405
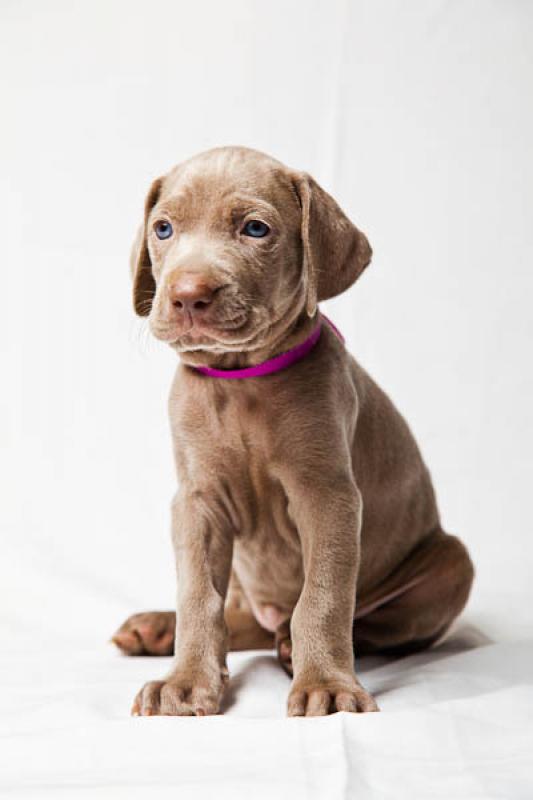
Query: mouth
x,y
202,334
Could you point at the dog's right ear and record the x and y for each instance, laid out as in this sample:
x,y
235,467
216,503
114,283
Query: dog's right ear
x,y
140,264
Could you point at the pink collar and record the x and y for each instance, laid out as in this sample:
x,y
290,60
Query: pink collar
x,y
277,363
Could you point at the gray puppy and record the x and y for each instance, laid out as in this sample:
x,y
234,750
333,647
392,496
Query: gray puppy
x,y
305,516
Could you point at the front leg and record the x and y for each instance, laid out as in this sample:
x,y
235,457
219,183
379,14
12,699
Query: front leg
x,y
203,546
327,513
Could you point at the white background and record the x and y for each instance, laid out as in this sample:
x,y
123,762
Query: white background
x,y
416,116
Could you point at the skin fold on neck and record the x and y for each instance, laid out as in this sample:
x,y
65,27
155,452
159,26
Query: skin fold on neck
x,y
281,338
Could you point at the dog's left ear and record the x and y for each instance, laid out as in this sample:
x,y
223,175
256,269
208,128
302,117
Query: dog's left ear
x,y
140,264
335,252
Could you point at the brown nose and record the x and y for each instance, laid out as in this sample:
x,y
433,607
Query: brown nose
x,y
191,293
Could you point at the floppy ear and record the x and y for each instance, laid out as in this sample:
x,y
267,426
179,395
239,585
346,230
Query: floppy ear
x,y
140,264
335,252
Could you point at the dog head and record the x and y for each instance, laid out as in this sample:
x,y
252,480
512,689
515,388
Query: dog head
x,y
235,245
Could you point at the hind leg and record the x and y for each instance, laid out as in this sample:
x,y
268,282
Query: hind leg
x,y
413,607
419,601
152,632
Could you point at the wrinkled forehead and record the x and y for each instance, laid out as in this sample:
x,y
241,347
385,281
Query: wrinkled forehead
x,y
225,180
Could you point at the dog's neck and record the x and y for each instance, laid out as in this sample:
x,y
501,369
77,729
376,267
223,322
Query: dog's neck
x,y
283,338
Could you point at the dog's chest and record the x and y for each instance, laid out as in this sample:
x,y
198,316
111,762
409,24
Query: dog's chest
x,y
225,443
267,552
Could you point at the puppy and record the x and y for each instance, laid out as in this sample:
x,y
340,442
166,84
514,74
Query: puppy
x,y
305,517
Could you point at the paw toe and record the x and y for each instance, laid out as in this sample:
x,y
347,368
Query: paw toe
x,y
318,704
147,701
296,704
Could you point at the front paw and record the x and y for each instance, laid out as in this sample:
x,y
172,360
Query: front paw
x,y
180,696
321,697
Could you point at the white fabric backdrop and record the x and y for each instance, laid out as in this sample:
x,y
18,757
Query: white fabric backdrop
x,y
418,118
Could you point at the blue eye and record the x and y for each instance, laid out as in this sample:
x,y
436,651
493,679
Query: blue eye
x,y
163,229
256,228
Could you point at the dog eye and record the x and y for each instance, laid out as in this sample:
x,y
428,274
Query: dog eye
x,y
163,229
256,228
